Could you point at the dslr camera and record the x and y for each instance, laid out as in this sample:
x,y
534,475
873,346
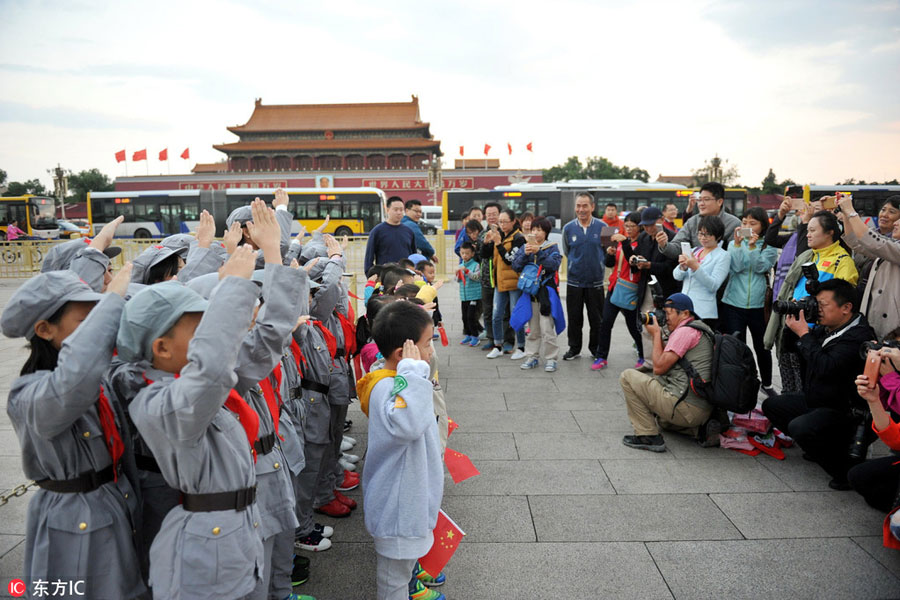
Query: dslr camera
x,y
659,300
809,305
874,345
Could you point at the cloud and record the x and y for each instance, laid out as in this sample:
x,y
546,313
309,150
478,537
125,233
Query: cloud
x,y
71,118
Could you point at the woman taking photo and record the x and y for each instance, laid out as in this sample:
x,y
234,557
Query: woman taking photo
x,y
705,270
500,246
743,304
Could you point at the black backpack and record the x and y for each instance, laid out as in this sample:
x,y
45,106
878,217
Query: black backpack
x,y
733,384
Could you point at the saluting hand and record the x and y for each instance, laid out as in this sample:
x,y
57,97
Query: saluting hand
x,y
281,198
265,231
103,239
119,283
241,263
232,237
410,350
206,230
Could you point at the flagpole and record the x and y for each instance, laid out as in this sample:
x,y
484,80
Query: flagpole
x,y
126,162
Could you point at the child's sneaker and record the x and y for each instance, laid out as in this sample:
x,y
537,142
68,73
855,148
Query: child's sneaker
x,y
599,364
550,367
466,341
429,581
423,593
300,572
300,597
639,363
529,364
474,342
314,542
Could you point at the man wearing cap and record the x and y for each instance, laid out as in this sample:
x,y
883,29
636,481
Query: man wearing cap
x,y
390,241
665,399
413,210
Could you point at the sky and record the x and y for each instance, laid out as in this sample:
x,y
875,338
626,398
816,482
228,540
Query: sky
x,y
809,88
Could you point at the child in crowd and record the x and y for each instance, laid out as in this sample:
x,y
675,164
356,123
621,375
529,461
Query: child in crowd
x,y
426,269
403,479
469,276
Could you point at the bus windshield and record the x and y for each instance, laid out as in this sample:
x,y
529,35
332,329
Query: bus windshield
x,y
43,211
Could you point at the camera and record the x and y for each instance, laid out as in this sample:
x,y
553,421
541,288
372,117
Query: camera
x,y
808,305
811,273
859,444
875,345
660,314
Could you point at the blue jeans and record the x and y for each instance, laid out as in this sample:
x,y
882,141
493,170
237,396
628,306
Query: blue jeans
x,y
502,300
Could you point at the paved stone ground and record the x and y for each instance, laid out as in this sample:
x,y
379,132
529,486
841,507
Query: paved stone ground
x,y
562,509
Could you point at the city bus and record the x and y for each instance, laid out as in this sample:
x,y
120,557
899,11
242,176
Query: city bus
x,y
867,199
557,199
158,213
36,215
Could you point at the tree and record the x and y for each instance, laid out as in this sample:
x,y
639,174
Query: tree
x,y
596,167
2,176
770,184
88,181
716,169
32,186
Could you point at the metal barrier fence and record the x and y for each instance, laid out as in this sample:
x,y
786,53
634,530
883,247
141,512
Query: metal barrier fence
x,y
23,259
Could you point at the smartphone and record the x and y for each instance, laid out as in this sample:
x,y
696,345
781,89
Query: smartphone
x,y
531,239
873,368
829,202
686,248
798,204
746,232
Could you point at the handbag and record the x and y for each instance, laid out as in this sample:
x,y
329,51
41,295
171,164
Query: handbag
x,y
625,294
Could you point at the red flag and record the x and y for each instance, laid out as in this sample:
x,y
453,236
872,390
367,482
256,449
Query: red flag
x,y
120,156
509,146
462,150
459,465
140,155
451,426
528,147
487,148
186,154
447,536
164,154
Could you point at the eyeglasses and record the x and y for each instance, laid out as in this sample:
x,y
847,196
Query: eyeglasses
x,y
706,199
704,234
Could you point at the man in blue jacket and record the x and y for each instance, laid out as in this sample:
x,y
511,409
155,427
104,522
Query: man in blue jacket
x,y
411,220
389,241
584,282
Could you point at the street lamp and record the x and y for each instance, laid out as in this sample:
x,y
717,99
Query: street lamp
x,y
435,176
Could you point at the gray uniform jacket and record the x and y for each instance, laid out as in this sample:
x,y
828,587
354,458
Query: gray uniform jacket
x,y
315,410
200,261
330,297
82,536
201,448
688,233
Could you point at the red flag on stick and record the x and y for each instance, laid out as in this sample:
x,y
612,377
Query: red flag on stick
x,y
140,155
487,148
528,147
509,147
186,154
164,154
462,150
459,465
447,536
120,156
451,426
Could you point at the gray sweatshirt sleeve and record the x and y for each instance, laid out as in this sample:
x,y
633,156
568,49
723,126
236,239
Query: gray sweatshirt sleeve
x,y
200,261
49,402
90,265
409,419
261,347
285,221
185,407
328,296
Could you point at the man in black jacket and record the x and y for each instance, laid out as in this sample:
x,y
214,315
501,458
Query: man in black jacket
x,y
820,419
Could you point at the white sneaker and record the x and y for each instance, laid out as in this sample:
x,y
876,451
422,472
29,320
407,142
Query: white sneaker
x,y
325,531
350,458
550,367
349,440
345,445
347,466
314,542
519,354
495,352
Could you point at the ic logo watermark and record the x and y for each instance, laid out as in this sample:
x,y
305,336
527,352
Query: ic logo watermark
x,y
47,589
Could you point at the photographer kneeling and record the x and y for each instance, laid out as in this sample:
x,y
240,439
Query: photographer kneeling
x,y
653,400
820,418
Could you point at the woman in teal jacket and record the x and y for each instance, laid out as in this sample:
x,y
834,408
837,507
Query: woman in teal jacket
x,y
743,304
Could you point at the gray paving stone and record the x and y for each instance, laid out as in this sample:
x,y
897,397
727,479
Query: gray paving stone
x,y
798,569
12,515
347,570
504,386
12,566
478,421
690,476
683,446
625,518
798,474
559,401
491,518
8,542
11,472
532,477
484,446
874,545
458,400
9,443
568,446
799,514
485,372
594,421
541,571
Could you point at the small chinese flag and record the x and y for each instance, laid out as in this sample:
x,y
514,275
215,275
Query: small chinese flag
x,y
529,148
462,150
120,156
459,465
140,155
451,426
487,148
186,154
509,147
164,154
447,536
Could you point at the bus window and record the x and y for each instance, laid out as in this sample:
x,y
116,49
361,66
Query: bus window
x,y
190,211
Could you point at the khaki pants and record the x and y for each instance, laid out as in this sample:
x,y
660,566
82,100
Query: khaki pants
x,y
647,400
543,330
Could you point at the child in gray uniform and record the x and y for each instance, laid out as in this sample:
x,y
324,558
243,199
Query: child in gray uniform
x,y
79,524
200,431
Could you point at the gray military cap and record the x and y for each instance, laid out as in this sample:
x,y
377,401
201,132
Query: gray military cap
x,y
241,214
150,314
39,298
180,243
61,255
147,259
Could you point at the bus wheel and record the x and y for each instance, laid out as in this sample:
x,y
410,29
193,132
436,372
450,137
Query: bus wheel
x,y
342,231
142,234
